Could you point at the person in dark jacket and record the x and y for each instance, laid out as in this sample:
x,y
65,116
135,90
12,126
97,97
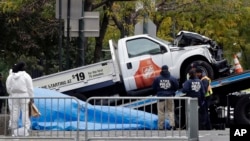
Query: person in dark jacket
x,y
193,87
165,85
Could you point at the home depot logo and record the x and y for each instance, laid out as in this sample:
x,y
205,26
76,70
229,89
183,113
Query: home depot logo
x,y
148,72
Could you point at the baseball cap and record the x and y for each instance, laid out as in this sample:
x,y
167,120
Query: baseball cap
x,y
164,68
198,70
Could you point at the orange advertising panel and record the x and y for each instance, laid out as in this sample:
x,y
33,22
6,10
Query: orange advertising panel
x,y
146,73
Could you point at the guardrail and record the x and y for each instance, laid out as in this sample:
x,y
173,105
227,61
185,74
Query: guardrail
x,y
140,123
67,118
54,123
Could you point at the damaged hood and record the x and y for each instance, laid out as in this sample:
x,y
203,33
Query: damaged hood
x,y
187,38
190,40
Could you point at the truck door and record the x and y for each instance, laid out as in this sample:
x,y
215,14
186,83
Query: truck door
x,y
144,58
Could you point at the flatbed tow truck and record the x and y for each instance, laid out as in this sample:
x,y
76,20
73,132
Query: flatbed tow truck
x,y
136,61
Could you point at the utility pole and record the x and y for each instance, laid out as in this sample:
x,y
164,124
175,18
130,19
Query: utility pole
x,y
145,23
81,38
68,30
60,35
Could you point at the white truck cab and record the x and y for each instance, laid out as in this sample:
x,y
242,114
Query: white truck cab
x,y
141,58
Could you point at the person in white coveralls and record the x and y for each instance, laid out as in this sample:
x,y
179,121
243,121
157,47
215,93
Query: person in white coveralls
x,y
19,84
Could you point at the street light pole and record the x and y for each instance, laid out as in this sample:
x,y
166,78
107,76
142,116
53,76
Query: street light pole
x,y
81,38
68,30
145,23
60,35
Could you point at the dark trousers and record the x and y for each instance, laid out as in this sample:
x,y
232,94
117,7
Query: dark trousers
x,y
204,118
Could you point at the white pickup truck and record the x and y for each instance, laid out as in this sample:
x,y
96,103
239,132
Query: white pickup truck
x,y
135,62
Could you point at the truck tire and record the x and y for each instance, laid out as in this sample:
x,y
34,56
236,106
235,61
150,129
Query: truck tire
x,y
207,69
242,110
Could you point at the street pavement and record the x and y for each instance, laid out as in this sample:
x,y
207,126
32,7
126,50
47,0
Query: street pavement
x,y
214,135
204,135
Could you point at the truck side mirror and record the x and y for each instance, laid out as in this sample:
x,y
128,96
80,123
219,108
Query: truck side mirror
x,y
163,49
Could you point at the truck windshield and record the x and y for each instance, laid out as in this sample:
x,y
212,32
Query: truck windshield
x,y
142,46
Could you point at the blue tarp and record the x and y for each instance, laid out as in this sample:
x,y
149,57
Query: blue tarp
x,y
61,113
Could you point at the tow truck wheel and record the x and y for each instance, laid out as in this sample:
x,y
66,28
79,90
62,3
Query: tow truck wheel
x,y
242,110
207,69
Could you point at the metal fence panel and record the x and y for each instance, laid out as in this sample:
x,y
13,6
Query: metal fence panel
x,y
106,118
182,131
47,107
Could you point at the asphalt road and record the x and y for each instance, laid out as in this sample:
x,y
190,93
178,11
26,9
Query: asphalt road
x,y
210,135
214,135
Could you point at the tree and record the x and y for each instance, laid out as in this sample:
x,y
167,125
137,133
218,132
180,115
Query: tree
x,y
30,32
244,30
105,8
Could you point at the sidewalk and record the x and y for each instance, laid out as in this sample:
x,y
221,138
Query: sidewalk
x,y
214,135
209,135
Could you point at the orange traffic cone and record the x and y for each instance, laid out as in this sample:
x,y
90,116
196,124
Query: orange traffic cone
x,y
237,66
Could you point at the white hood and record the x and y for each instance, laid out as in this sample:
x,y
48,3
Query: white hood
x,y
19,83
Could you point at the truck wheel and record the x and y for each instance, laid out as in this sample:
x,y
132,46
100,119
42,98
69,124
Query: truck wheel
x,y
207,69
242,110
